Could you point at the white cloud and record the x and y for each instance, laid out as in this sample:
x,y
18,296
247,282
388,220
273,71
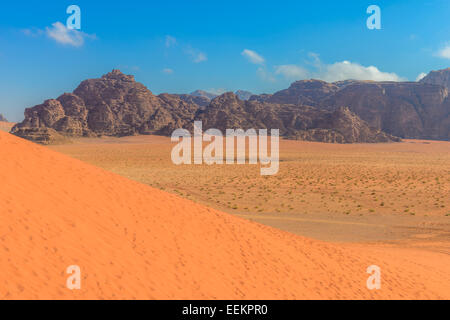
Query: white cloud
x,y
344,70
348,70
252,56
421,76
61,34
292,72
265,75
33,32
196,55
444,52
167,71
170,41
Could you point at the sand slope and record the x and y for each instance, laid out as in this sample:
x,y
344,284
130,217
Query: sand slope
x,y
133,241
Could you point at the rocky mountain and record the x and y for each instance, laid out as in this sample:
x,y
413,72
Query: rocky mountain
x,y
408,110
203,98
260,97
117,105
201,101
439,77
201,93
305,92
114,105
417,110
2,118
298,122
243,95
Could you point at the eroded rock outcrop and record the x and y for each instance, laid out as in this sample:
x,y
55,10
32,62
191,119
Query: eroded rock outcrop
x,y
114,105
438,77
297,122
117,105
416,110
405,109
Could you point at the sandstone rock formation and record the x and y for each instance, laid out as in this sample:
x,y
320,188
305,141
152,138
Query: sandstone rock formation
x,y
298,122
417,110
305,92
439,77
260,97
114,105
201,101
117,105
408,110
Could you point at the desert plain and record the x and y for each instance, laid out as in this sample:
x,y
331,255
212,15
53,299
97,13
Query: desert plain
x,y
335,192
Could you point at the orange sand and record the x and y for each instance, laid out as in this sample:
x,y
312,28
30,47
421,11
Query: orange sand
x,y
133,241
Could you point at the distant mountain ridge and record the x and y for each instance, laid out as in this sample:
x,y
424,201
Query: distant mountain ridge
x,y
344,112
415,110
201,93
294,122
203,98
2,118
243,95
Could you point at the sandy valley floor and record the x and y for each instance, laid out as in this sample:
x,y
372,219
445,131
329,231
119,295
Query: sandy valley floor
x,y
395,193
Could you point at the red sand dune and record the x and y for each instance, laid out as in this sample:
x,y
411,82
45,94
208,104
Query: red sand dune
x,y
135,242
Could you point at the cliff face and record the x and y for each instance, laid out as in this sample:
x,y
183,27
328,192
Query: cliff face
x,y
408,110
297,122
419,110
305,92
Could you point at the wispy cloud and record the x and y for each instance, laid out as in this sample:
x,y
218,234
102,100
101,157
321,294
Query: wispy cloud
x,y
32,32
292,72
61,34
421,76
167,71
337,71
265,75
170,41
196,55
349,70
252,56
444,52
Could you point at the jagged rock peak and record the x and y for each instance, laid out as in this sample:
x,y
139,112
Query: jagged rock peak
x,y
116,74
438,77
226,97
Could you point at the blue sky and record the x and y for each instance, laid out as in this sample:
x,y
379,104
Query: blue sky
x,y
180,46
